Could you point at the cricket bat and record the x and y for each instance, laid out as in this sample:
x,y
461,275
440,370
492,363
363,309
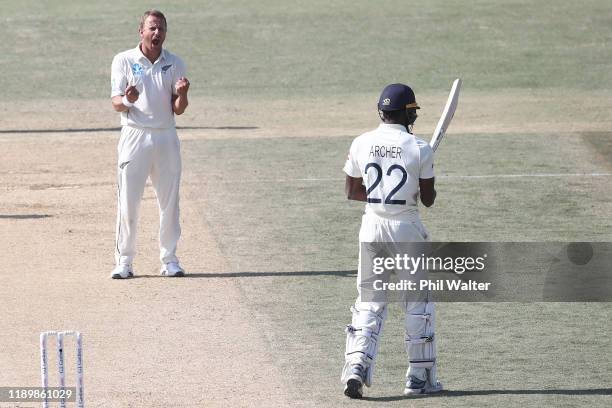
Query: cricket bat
x,y
447,115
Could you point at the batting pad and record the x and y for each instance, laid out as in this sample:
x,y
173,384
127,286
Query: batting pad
x,y
421,342
362,337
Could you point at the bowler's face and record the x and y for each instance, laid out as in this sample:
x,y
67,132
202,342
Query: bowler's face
x,y
153,33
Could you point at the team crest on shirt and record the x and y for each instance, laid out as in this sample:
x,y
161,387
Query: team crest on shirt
x,y
137,69
165,68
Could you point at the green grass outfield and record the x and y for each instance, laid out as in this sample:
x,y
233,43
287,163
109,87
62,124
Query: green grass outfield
x,y
276,205
321,48
291,238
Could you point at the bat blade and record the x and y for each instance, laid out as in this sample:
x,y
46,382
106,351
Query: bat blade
x,y
447,115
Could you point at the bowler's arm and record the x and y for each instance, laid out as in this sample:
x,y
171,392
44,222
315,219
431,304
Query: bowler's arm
x,y
179,99
179,104
131,94
354,189
120,86
118,105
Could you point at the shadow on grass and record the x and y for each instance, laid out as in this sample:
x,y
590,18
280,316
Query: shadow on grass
x,y
117,129
458,393
24,216
350,273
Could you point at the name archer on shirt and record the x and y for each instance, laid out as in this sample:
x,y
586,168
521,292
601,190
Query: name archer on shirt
x,y
392,152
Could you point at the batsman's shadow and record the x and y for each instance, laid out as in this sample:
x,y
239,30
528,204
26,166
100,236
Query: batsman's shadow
x,y
467,393
218,275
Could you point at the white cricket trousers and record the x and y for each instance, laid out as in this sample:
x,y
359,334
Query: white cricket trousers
x,y
145,152
377,229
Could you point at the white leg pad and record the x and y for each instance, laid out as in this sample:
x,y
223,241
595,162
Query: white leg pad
x,y
421,342
362,337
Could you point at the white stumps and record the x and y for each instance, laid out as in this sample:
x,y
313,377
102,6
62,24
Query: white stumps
x,y
60,366
44,369
44,366
79,367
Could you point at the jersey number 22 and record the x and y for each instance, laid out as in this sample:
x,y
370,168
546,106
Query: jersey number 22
x,y
379,176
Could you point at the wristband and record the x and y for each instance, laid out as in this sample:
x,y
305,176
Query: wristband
x,y
125,102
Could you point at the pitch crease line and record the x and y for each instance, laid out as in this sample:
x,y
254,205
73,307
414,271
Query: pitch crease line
x,y
558,175
472,176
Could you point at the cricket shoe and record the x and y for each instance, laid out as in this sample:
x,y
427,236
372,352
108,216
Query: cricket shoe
x,y
122,272
354,385
172,269
414,386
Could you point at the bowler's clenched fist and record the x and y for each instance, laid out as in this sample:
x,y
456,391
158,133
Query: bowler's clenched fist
x,y
131,93
182,86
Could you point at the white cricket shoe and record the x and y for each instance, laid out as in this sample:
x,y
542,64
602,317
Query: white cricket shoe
x,y
122,272
414,386
172,269
354,385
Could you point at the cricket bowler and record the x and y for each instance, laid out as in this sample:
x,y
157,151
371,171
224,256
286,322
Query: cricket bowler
x,y
148,88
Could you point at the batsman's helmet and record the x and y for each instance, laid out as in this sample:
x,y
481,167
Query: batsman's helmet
x,y
397,97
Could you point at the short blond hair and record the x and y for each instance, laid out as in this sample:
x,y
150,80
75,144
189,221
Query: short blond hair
x,y
154,13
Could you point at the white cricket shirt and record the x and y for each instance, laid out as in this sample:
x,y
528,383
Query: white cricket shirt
x,y
390,160
155,82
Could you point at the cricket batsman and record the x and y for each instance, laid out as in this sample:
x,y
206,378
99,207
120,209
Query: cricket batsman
x,y
389,169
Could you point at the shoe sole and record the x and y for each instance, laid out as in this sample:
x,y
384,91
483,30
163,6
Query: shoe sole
x,y
353,389
118,276
176,275
414,392
409,392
